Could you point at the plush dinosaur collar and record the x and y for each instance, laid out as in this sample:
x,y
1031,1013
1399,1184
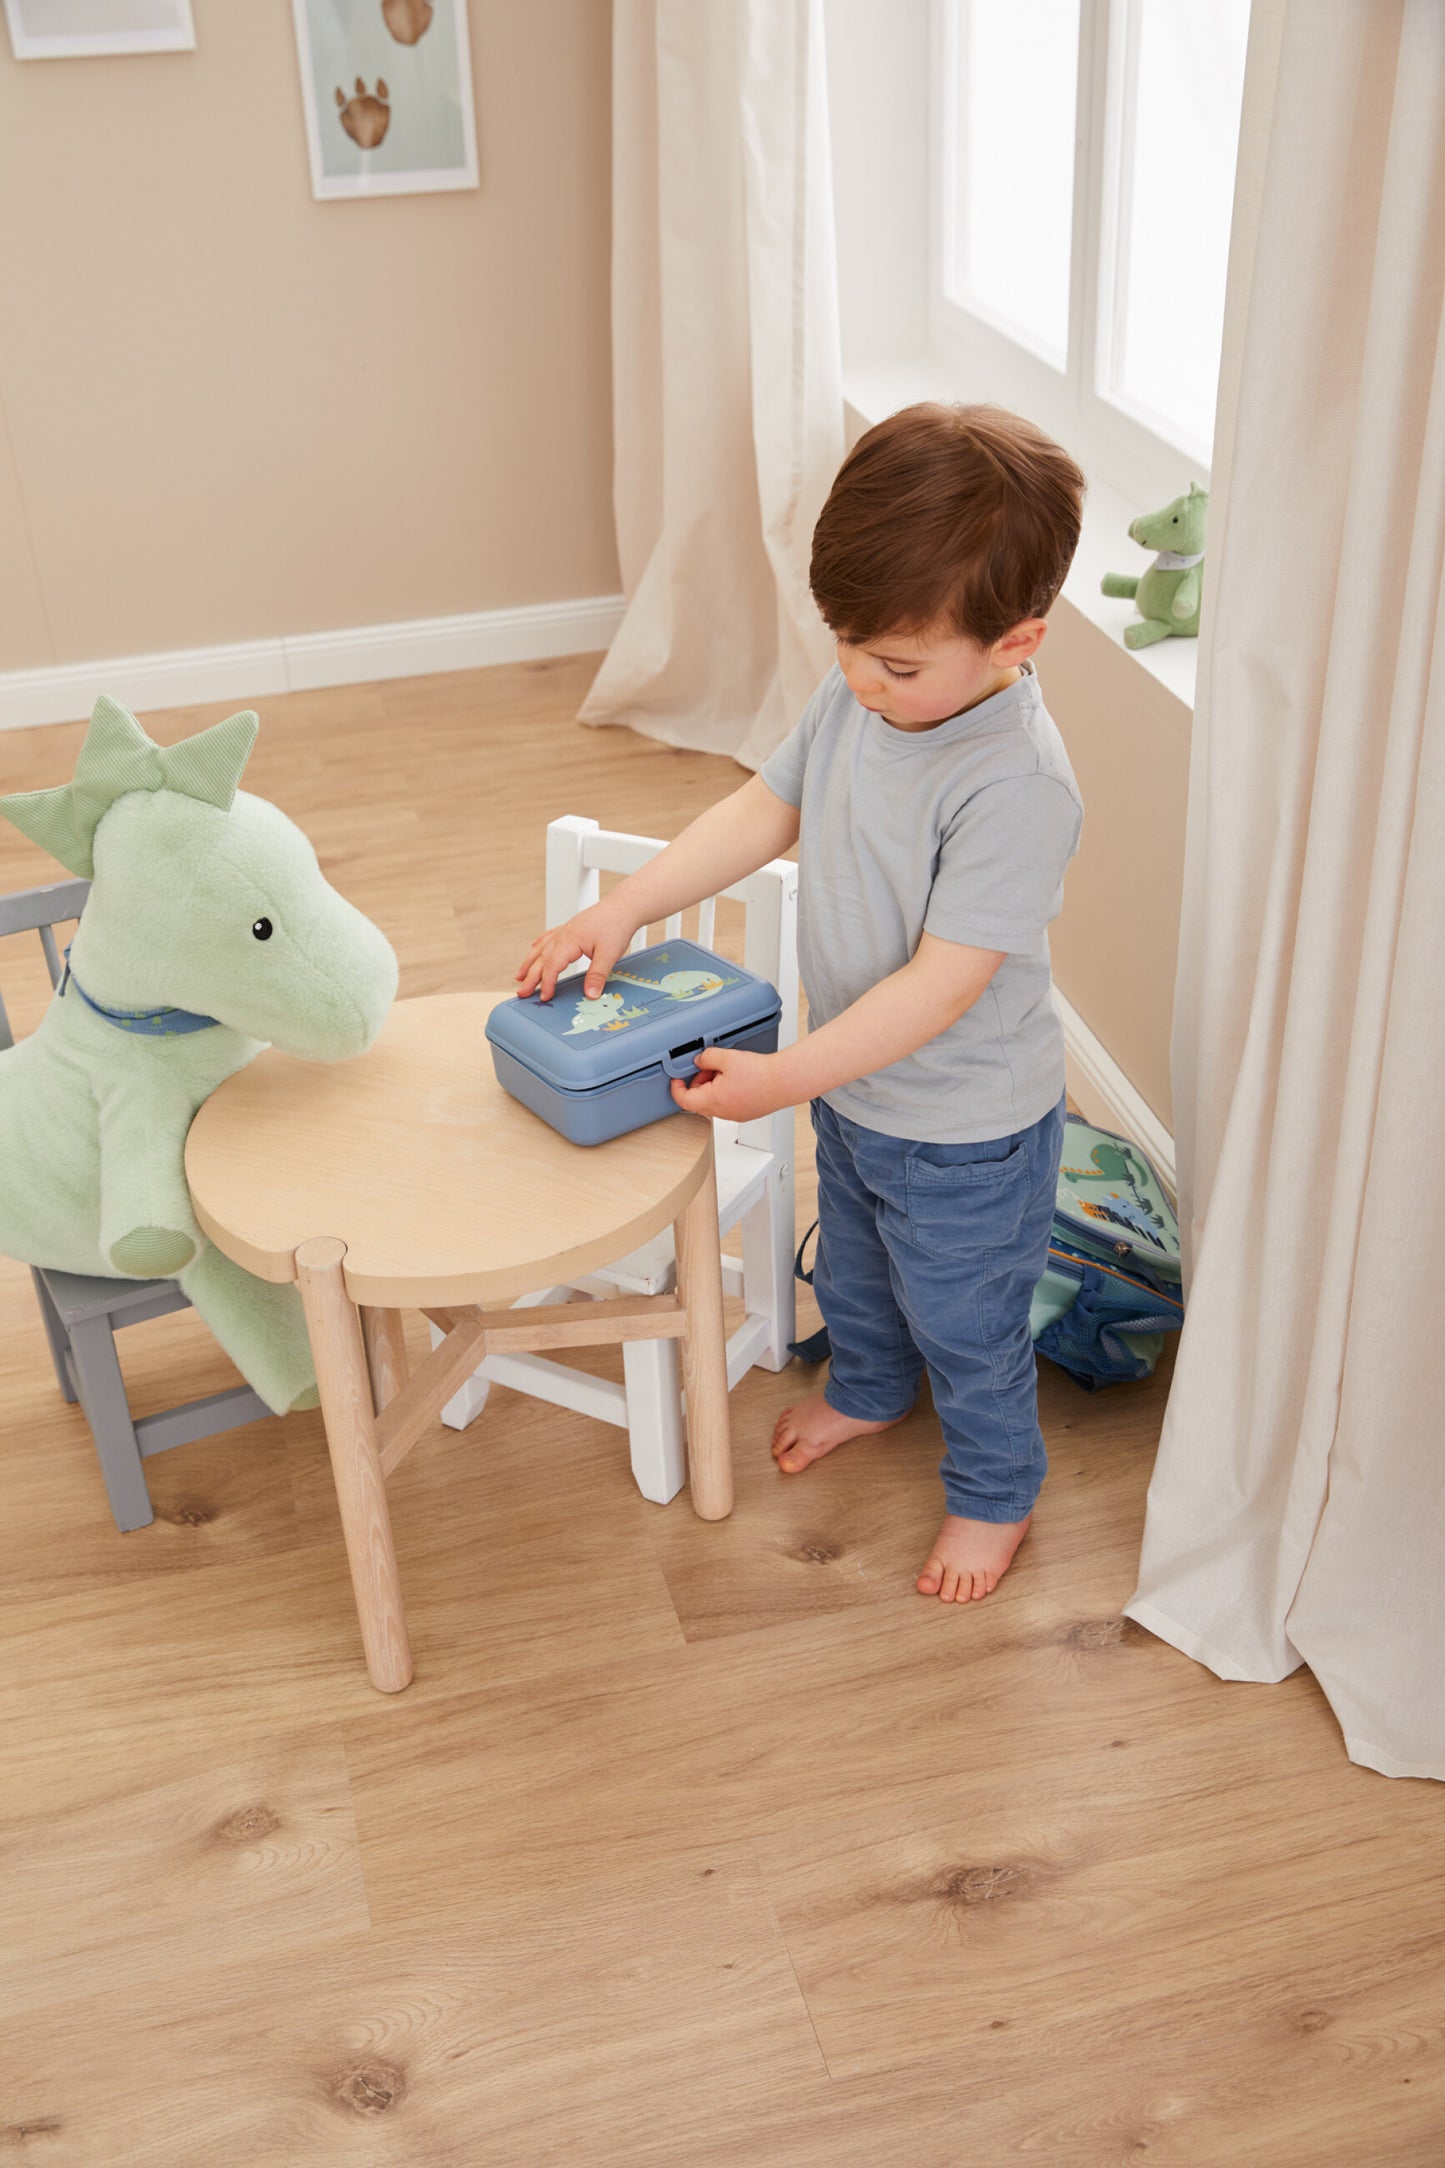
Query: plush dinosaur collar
x,y
1176,561
146,1023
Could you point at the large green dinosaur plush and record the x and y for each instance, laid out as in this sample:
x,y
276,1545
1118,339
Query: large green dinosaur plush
x,y
1168,594
209,931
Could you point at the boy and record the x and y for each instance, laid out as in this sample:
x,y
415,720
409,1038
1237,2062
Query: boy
x,y
936,812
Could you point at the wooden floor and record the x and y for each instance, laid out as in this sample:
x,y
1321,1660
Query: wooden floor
x,y
690,1844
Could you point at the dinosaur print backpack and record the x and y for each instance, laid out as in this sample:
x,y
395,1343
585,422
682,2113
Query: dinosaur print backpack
x,y
1112,1288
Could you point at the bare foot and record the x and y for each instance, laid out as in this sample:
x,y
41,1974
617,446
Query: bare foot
x,y
970,1558
810,1428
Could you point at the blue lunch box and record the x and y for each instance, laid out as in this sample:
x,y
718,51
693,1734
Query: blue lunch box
x,y
595,1069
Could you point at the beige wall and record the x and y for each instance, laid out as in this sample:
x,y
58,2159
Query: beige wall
x,y
228,411
1115,944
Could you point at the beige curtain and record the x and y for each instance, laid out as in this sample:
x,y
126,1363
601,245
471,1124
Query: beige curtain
x,y
1297,1513
727,407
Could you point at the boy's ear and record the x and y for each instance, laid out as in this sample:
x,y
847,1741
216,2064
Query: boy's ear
x,y
1020,642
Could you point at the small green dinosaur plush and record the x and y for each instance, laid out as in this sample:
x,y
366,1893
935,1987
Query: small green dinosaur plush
x,y
1168,593
209,931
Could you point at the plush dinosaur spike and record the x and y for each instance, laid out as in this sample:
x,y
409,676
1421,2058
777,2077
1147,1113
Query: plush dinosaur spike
x,y
49,818
117,757
209,766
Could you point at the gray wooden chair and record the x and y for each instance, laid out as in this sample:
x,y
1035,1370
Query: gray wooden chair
x,y
83,1315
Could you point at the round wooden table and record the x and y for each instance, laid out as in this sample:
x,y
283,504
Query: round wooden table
x,y
408,1179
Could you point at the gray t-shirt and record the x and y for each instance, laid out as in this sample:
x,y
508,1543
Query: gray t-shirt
x,y
962,831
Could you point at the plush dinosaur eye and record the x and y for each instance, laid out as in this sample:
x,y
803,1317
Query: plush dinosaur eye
x,y
263,929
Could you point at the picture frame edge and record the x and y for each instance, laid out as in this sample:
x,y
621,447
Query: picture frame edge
x,y
344,188
99,45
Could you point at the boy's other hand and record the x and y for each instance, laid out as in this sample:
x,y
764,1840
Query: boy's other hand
x,y
731,1086
596,933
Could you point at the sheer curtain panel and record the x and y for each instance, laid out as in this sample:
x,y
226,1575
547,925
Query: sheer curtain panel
x,y
727,404
1297,1511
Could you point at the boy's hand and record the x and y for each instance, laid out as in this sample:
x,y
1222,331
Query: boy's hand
x,y
732,1086
598,933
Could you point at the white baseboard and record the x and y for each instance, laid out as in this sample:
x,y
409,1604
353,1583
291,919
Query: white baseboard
x,y
1104,1095
255,669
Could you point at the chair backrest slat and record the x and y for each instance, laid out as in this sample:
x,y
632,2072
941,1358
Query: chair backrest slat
x,y
40,910
613,852
578,850
52,954
31,908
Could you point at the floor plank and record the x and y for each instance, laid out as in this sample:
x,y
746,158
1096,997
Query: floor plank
x,y
232,1860
753,1731
1095,1891
527,2035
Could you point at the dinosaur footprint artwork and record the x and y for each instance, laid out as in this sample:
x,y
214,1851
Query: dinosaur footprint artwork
x,y
365,117
407,20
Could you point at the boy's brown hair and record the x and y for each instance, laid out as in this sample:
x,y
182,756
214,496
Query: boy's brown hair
x,y
965,515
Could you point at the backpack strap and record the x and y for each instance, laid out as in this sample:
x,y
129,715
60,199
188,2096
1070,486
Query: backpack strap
x,y
815,1349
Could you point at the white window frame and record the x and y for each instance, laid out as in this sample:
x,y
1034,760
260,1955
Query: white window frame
x,y
1124,442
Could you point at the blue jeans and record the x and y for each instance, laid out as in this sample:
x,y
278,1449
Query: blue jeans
x,y
930,1253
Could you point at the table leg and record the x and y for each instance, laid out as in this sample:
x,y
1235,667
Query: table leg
x,y
704,1353
346,1406
386,1356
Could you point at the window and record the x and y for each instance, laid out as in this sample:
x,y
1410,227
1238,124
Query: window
x,y
1009,218
1082,188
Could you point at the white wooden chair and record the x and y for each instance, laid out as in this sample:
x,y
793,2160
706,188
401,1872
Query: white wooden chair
x,y
754,1177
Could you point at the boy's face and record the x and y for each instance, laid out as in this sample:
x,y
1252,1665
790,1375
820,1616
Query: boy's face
x,y
914,680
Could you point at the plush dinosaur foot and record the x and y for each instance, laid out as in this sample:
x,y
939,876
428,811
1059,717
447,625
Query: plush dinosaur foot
x,y
1146,632
261,1327
152,1253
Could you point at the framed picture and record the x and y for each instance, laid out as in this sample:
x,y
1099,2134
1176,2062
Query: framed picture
x,y
81,29
387,90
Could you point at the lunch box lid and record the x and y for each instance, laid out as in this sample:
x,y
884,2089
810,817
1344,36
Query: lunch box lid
x,y
656,1008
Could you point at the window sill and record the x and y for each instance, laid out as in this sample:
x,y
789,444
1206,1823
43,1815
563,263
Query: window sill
x,y
877,389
